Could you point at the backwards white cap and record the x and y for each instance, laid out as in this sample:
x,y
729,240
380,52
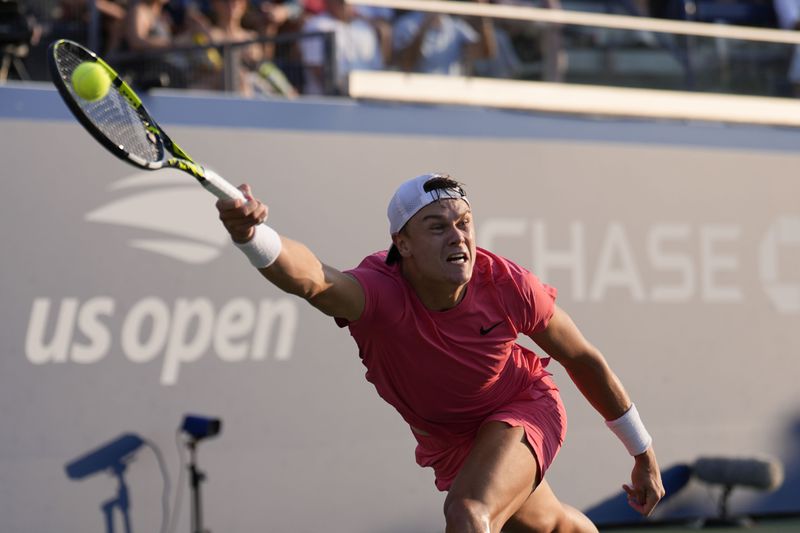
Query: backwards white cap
x,y
411,196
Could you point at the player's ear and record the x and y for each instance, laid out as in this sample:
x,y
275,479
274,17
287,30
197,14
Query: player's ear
x,y
400,240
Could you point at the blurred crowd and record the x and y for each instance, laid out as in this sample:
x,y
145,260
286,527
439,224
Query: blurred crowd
x,y
282,50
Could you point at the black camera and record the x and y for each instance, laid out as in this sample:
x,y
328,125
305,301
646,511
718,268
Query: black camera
x,y
201,427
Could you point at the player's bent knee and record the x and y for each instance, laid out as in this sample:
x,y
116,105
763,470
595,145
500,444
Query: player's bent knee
x,y
538,523
567,520
467,515
549,519
578,521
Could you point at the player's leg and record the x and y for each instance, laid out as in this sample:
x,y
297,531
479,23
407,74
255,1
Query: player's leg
x,y
496,478
542,511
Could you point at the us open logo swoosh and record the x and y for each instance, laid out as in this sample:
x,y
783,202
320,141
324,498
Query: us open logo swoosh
x,y
171,204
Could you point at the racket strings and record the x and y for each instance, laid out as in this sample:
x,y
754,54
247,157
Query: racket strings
x,y
112,115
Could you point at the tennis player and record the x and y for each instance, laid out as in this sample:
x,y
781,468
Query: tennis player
x,y
436,320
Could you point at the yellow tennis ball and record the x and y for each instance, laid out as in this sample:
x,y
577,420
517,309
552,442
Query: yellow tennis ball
x,y
91,81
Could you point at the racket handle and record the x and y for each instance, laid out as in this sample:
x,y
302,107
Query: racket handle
x,y
220,187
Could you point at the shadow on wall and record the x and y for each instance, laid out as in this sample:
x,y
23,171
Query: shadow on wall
x,y
689,498
112,457
787,498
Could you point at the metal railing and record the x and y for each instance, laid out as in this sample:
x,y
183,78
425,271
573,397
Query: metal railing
x,y
146,69
601,48
638,51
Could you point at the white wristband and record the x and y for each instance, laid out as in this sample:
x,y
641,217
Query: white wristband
x,y
630,430
264,248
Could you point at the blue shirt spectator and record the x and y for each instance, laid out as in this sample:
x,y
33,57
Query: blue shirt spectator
x,y
442,40
356,43
788,13
435,43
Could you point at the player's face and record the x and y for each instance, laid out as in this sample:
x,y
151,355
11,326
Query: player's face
x,y
440,241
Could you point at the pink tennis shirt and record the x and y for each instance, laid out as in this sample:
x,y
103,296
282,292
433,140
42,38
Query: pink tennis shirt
x,y
448,372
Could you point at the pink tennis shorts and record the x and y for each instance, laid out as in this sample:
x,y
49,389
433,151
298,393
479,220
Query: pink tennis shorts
x,y
538,410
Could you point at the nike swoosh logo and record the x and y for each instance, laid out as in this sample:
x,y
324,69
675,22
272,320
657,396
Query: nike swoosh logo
x,y
485,331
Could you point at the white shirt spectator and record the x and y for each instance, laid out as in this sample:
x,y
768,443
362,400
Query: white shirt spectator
x,y
443,46
356,48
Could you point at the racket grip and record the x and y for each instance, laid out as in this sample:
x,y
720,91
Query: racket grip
x,y
220,187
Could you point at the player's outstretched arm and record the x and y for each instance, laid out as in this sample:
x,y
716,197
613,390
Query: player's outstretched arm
x,y
289,264
587,367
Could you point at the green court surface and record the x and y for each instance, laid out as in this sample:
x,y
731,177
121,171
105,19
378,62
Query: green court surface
x,y
763,525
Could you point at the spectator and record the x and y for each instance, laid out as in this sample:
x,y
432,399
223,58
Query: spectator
x,y
277,16
190,17
788,13
112,20
148,28
441,44
208,68
226,27
549,39
314,7
381,19
73,17
505,63
356,42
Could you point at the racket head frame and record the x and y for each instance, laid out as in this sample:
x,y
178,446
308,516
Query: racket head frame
x,y
163,143
177,158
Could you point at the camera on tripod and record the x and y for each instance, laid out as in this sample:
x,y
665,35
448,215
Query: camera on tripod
x,y
14,26
15,39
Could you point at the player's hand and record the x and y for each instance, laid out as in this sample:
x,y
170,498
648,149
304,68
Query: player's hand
x,y
241,217
645,489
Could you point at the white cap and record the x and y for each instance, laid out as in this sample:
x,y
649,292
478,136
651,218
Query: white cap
x,y
411,196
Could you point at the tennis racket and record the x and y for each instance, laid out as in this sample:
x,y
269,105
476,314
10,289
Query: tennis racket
x,y
120,122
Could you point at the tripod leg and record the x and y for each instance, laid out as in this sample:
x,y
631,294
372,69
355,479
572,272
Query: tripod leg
x,y
4,66
723,502
108,512
196,477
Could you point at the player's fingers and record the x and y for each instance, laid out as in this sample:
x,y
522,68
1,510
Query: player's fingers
x,y
260,213
638,503
234,215
633,493
241,219
226,205
254,210
635,505
253,213
252,218
247,191
643,500
654,496
241,227
650,503
636,497
233,209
